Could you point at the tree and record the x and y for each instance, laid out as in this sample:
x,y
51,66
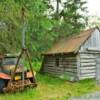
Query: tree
x,y
44,23
94,21
38,24
74,15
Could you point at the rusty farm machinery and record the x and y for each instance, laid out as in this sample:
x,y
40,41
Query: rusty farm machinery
x,y
13,75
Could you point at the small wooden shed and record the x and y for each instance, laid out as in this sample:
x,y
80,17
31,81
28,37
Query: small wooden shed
x,y
74,58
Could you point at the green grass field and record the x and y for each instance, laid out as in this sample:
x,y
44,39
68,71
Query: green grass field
x,y
50,88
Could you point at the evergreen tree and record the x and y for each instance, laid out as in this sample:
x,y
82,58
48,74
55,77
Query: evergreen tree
x,y
74,15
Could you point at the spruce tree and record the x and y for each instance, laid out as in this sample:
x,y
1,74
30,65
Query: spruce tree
x,y
74,15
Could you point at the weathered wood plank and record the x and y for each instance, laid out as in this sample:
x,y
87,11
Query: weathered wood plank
x,y
71,63
89,52
69,66
90,57
93,49
87,56
70,73
53,71
88,64
71,70
61,66
70,59
88,71
86,77
86,68
87,74
57,70
87,60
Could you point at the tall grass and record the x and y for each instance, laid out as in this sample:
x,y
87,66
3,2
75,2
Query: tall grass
x,y
51,88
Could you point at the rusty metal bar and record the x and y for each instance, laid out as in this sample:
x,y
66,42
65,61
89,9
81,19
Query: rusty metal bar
x,y
13,74
27,54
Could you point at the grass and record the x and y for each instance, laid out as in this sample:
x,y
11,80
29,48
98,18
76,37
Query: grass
x,y
50,88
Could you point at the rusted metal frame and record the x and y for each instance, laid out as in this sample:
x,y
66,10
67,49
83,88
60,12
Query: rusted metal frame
x,y
13,74
27,54
24,51
23,78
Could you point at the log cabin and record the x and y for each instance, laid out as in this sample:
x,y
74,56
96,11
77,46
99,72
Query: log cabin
x,y
74,58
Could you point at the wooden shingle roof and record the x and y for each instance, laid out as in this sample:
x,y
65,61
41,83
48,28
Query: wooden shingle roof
x,y
71,45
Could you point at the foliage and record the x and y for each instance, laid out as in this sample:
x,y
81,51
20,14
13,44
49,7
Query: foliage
x,y
94,21
73,17
41,28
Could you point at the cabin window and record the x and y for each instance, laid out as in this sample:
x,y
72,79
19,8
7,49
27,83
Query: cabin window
x,y
57,61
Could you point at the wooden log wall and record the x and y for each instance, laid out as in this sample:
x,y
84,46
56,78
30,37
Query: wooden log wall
x,y
67,64
87,65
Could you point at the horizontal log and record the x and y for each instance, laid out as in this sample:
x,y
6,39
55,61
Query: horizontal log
x,y
60,62
87,60
86,68
53,73
70,73
46,61
87,74
61,66
93,49
90,57
69,62
61,71
69,58
88,52
49,61
70,70
67,67
88,64
87,56
86,77
69,55
87,71
51,70
48,66
70,66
